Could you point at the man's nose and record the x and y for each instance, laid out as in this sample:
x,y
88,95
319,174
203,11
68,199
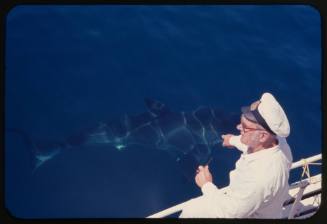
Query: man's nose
x,y
239,127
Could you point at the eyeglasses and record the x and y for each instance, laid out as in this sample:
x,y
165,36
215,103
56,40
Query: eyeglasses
x,y
247,129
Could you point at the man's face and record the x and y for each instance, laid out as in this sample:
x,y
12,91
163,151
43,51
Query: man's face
x,y
250,132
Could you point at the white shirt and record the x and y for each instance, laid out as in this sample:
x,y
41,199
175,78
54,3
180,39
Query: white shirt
x,y
258,187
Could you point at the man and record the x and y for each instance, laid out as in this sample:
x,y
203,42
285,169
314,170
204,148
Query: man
x,y
259,183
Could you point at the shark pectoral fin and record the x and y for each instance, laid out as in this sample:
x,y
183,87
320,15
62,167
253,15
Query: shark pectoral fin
x,y
156,107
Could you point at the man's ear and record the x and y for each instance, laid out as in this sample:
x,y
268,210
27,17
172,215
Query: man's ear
x,y
263,137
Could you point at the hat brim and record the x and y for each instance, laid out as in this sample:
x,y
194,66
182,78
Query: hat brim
x,y
247,113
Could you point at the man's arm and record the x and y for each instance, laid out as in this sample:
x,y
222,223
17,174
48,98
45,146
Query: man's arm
x,y
231,141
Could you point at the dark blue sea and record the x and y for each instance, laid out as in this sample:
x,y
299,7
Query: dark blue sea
x,y
71,67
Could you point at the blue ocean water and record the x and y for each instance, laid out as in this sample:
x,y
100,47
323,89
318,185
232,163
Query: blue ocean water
x,y
70,67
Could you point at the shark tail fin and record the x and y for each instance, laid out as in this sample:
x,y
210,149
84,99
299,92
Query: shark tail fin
x,y
38,153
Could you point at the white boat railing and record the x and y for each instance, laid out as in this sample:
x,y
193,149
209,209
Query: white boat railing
x,y
303,199
300,163
308,160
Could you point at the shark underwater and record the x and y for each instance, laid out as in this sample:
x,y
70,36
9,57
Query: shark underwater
x,y
186,136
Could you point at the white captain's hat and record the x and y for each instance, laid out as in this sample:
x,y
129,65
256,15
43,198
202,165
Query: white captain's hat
x,y
269,114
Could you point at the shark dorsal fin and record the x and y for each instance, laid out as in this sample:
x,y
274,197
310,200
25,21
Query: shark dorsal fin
x,y
155,107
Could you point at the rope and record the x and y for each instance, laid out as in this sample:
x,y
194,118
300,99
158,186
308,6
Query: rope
x,y
306,169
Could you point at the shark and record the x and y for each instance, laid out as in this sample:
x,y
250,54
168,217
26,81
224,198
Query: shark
x,y
186,136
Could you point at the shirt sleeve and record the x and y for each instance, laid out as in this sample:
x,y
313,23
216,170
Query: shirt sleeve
x,y
209,188
236,141
240,202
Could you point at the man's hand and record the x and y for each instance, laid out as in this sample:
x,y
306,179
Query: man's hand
x,y
203,176
226,139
